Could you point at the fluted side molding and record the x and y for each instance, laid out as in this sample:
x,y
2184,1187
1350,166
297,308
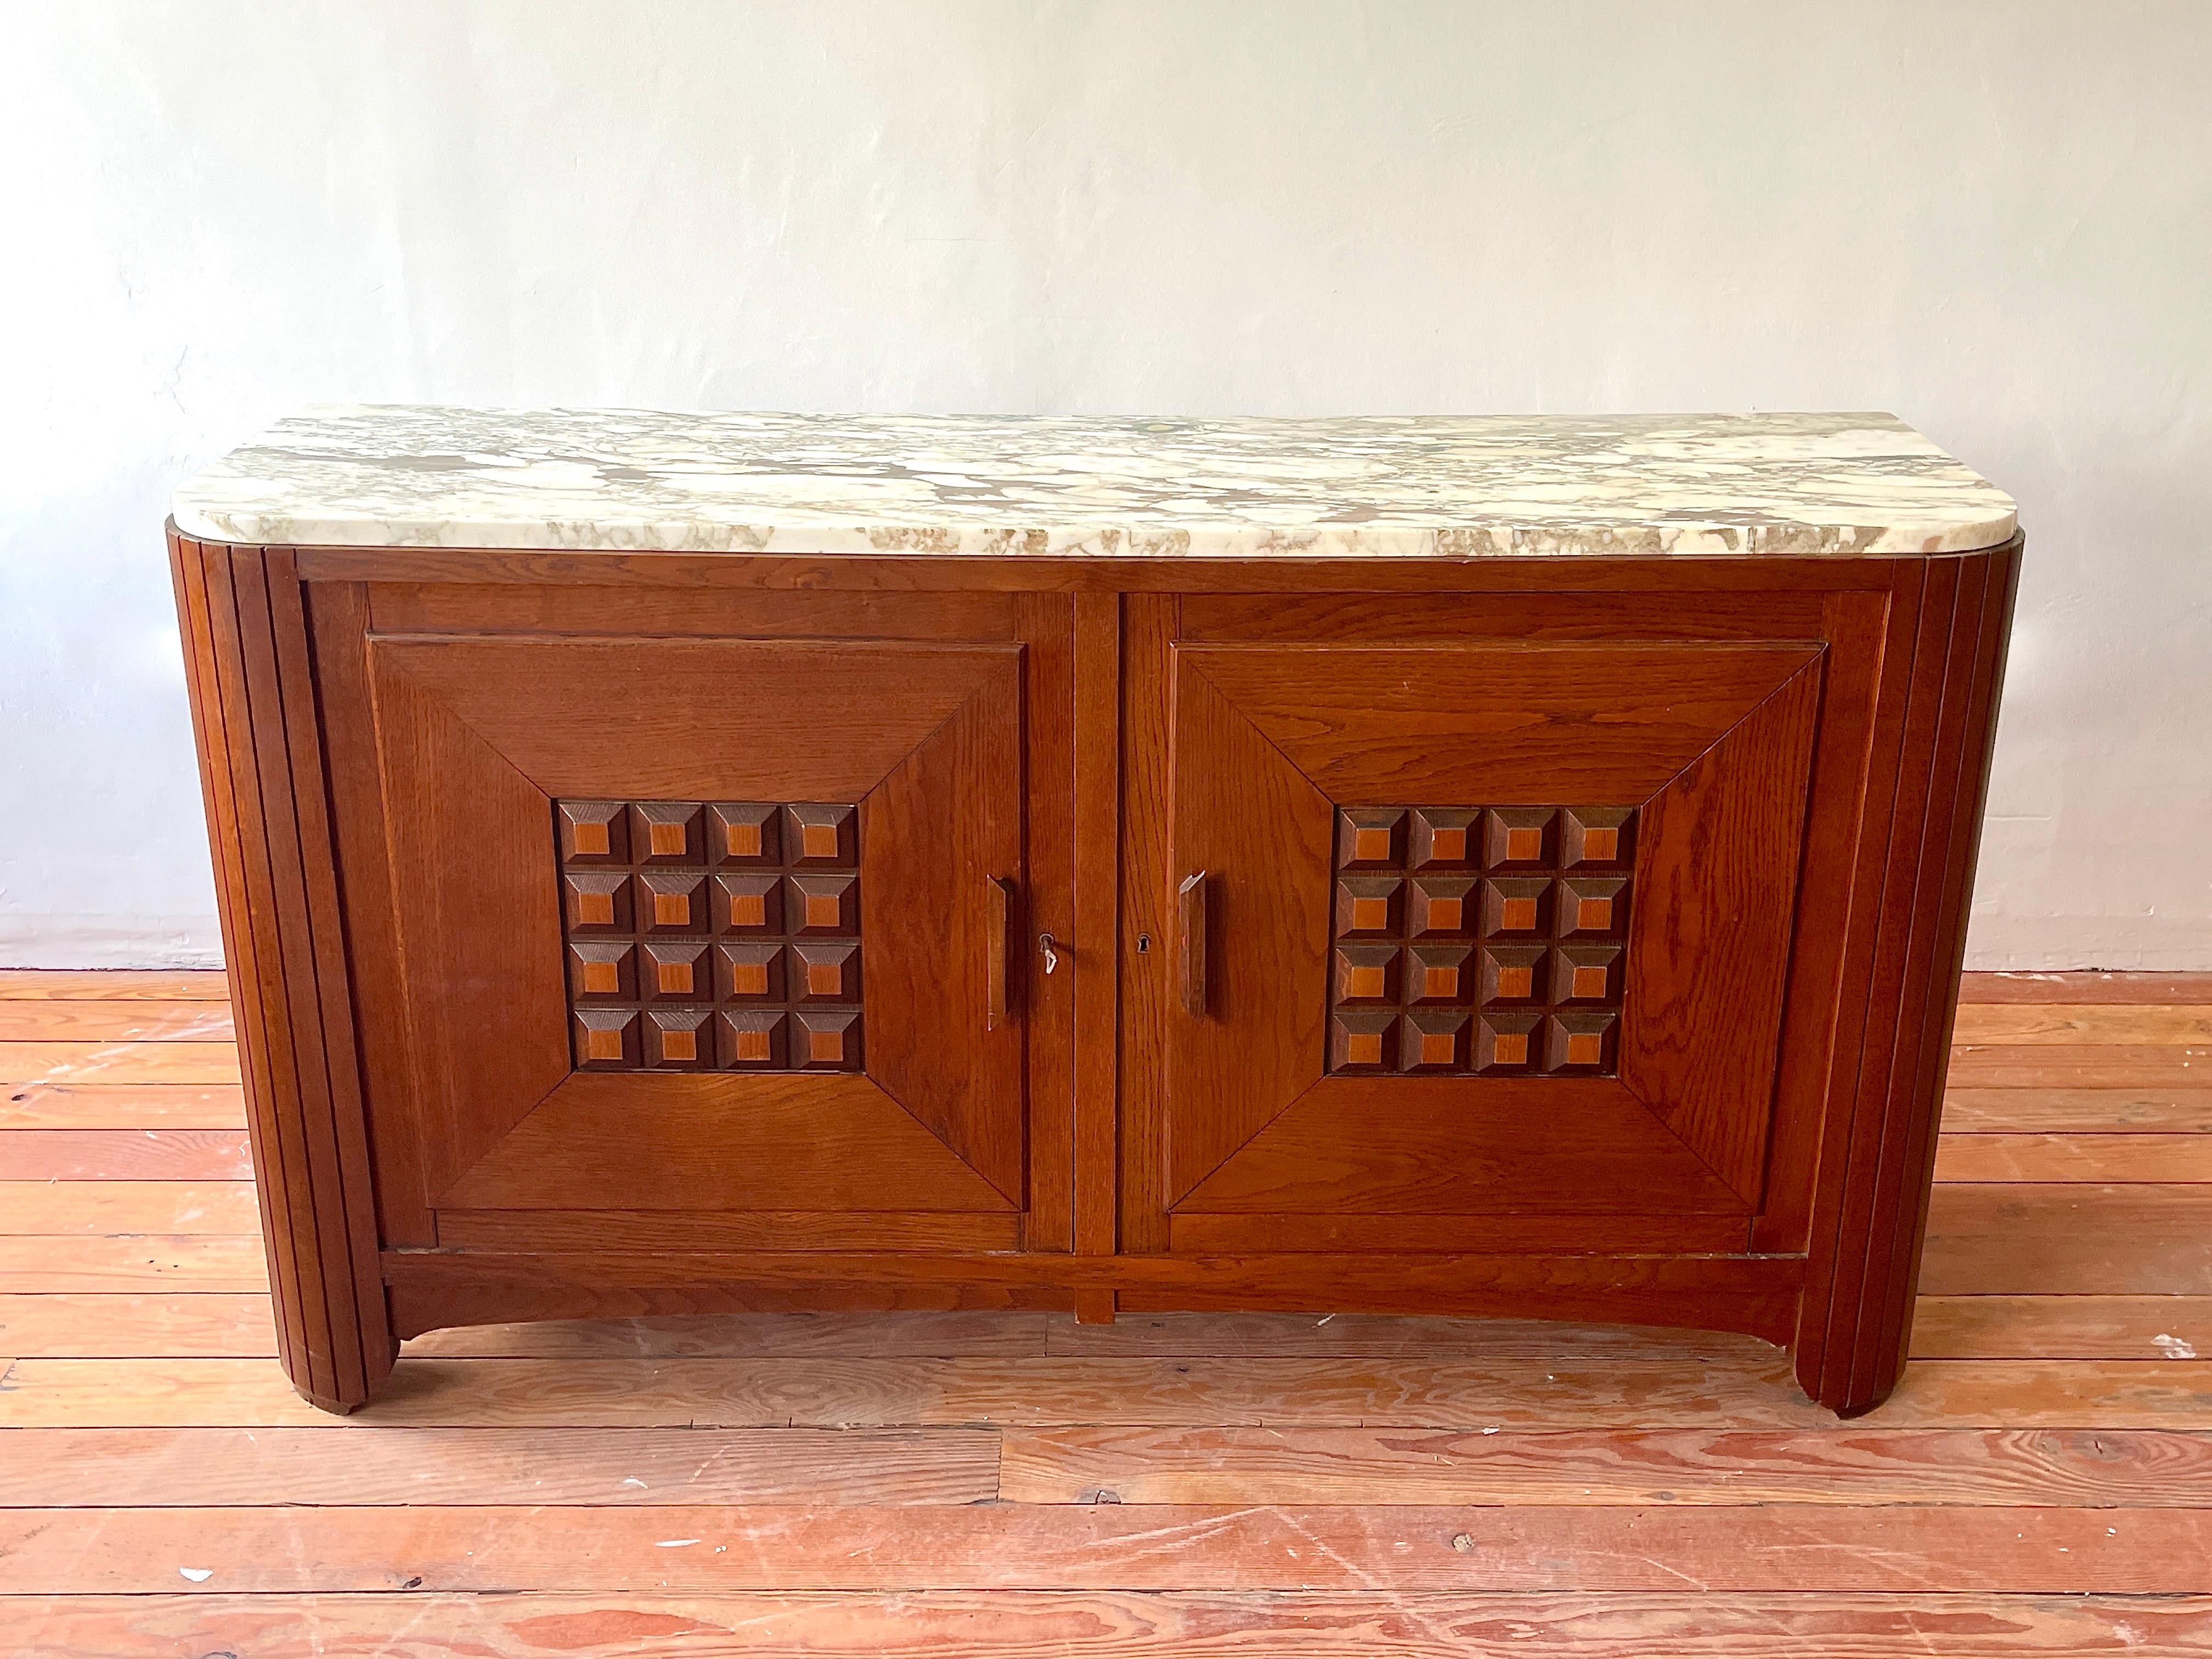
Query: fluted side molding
x,y
261,770
1929,780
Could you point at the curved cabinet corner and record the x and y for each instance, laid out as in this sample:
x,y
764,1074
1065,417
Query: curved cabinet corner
x,y
246,660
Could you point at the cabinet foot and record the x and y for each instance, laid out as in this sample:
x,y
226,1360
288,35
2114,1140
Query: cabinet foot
x,y
1094,1307
324,1402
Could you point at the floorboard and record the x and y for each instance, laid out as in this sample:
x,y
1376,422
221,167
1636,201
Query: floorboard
x,y
947,1485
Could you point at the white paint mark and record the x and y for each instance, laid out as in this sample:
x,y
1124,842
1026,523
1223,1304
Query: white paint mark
x,y
673,1543
2173,1347
632,1480
198,1575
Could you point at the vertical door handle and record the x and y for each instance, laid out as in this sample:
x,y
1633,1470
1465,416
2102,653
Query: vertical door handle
x,y
1001,950
1191,897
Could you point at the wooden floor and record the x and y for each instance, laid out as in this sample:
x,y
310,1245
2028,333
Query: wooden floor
x,y
951,1485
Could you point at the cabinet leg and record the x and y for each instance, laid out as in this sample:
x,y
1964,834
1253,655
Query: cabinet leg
x,y
1094,1307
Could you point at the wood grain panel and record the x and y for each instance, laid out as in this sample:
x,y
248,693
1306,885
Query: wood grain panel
x,y
34,1267
185,1323
459,608
122,1106
720,1140
934,834
2106,1066
1446,617
2068,1240
118,1062
1709,945
1494,723
97,1207
756,1545
112,985
2078,1111
2086,1158
2066,1025
126,1155
115,1468
969,1625
2059,1328
724,720
1418,1145
1262,834
2123,988
1323,1393
1578,1469
53,1019
723,1229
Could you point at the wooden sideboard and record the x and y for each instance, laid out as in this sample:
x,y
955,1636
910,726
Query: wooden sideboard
x,y
623,932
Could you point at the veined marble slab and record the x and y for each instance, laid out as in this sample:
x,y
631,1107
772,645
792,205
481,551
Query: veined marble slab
x,y
411,475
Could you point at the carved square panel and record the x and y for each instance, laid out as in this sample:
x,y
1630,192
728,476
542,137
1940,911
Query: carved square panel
x,y
1479,940
711,935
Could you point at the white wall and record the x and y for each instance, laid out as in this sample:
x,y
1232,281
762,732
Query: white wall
x,y
1995,219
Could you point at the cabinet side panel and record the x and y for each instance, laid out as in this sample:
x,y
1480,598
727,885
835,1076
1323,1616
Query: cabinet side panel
x,y
252,706
1850,1350
1882,1361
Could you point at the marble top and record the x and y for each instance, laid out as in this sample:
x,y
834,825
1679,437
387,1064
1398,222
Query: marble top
x,y
1415,487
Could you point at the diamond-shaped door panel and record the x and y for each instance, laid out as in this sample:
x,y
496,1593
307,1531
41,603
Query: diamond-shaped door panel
x,y
1448,855
647,944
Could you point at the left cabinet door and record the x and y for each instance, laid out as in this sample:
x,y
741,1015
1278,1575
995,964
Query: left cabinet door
x,y
700,942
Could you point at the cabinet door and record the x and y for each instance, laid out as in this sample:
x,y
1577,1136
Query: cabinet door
x,y
1479,943
707,941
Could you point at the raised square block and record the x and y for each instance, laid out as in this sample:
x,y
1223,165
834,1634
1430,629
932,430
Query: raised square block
x,y
1440,906
602,970
1365,974
821,904
752,1039
1438,973
596,901
1370,905
667,832
1512,974
1598,838
1370,838
605,1039
1362,1040
749,973
1516,907
1433,1040
1586,974
678,1039
825,1039
1444,837
1576,1040
674,972
745,832
1505,1042
594,831
669,901
827,971
1520,838
1592,907
816,834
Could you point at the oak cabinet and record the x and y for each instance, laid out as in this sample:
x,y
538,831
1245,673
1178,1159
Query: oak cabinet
x,y
618,934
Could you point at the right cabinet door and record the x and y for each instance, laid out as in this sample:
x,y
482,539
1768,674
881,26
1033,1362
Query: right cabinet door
x,y
1476,941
